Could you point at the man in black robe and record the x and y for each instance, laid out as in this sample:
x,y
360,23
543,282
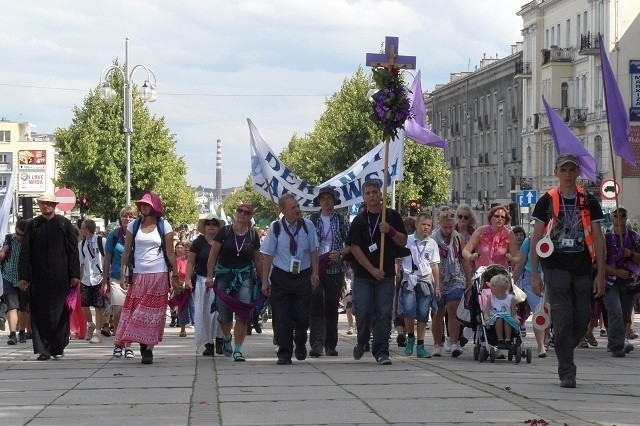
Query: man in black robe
x,y
49,266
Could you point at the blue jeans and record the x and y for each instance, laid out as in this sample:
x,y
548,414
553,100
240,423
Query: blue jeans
x,y
617,303
416,304
373,298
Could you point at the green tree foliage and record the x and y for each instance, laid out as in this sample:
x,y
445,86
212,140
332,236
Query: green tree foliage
x,y
93,160
345,132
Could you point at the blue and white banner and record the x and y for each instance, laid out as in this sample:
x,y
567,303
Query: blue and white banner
x,y
272,178
5,212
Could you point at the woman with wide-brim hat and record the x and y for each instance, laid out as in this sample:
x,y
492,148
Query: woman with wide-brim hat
x,y
143,314
206,325
236,257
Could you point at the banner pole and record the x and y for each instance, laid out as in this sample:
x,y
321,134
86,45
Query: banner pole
x,y
384,197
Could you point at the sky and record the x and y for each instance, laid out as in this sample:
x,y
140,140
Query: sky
x,y
219,62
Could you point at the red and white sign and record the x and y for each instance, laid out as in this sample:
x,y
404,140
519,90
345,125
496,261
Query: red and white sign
x,y
66,199
609,189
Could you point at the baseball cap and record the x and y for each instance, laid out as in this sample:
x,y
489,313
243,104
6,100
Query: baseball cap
x,y
567,158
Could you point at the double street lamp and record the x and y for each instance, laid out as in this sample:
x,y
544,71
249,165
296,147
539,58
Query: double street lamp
x,y
147,93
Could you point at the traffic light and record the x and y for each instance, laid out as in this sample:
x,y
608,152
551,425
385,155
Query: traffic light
x,y
84,205
413,207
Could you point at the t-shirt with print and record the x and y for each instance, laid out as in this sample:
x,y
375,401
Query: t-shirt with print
x,y
237,251
569,250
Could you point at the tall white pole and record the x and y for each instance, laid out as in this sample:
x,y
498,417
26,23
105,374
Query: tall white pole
x,y
128,120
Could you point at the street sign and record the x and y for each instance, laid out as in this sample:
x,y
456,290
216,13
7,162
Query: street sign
x,y
608,204
609,189
527,198
66,199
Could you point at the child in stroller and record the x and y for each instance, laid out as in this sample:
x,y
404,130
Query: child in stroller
x,y
500,311
496,329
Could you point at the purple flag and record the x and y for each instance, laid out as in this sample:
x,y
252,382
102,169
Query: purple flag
x,y
617,117
567,143
414,127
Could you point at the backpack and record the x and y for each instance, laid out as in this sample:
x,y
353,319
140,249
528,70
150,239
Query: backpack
x,y
163,243
277,227
100,246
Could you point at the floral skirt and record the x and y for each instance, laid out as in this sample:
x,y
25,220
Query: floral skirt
x,y
144,310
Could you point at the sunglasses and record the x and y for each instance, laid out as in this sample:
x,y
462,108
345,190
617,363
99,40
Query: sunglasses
x,y
210,222
465,217
244,212
47,203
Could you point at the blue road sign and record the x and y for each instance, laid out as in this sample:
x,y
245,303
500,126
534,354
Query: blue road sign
x,y
527,198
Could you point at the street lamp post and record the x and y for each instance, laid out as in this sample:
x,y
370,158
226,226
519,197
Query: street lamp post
x,y
147,93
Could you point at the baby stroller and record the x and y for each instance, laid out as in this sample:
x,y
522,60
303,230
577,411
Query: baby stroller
x,y
485,338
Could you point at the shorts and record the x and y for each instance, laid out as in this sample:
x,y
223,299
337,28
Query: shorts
x,y
455,294
243,294
416,304
14,297
91,296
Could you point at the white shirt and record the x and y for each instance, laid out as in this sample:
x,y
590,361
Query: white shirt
x,y
148,257
421,251
90,261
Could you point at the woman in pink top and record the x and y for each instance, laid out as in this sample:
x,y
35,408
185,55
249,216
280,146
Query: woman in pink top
x,y
493,243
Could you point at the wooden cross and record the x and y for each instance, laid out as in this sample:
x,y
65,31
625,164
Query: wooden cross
x,y
394,63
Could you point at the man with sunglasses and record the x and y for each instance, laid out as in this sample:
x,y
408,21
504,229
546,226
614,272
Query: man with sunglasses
x,y
623,271
49,266
17,299
575,242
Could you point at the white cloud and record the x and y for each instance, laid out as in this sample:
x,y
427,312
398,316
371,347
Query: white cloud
x,y
221,61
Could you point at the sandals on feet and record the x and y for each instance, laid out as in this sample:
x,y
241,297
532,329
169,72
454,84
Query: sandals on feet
x,y
117,352
238,357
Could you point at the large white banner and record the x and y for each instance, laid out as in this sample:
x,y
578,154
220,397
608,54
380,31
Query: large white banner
x,y
5,211
272,178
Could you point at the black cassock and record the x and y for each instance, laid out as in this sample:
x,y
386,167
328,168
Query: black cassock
x,y
48,261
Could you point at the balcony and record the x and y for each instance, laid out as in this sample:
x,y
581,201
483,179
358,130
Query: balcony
x,y
589,44
523,69
555,54
5,167
575,116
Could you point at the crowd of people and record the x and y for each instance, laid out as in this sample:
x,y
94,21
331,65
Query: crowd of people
x,y
413,274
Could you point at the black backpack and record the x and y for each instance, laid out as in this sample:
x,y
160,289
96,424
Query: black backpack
x,y
163,243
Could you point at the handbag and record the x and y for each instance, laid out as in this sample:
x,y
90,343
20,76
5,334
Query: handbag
x,y
518,294
463,313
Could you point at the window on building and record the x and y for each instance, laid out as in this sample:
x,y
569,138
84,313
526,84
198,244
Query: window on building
x,y
529,164
4,158
3,181
564,95
597,152
553,36
5,136
567,32
578,30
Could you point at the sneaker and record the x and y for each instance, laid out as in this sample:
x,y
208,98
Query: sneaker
x,y
227,350
421,352
90,330
95,339
603,332
590,338
209,349
447,345
257,327
401,340
456,350
367,347
408,350
300,353
568,383
28,335
633,334
350,331
437,350
315,352
358,352
618,354
583,344
628,347
219,346
12,339
237,356
117,352
383,359
331,352
128,353
22,337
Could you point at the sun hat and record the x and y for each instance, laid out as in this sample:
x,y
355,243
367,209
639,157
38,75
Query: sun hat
x,y
211,216
47,198
327,190
154,201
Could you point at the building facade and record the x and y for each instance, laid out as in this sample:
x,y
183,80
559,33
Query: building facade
x,y
561,62
31,157
479,113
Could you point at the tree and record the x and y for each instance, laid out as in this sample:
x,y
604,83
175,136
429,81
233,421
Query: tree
x,y
93,161
345,132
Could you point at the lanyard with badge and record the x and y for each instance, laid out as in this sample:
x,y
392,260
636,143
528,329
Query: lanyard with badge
x,y
373,247
294,267
570,220
423,263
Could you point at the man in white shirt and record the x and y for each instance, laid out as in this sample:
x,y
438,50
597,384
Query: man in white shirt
x,y
91,255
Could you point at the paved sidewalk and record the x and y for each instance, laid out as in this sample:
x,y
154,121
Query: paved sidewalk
x,y
88,386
